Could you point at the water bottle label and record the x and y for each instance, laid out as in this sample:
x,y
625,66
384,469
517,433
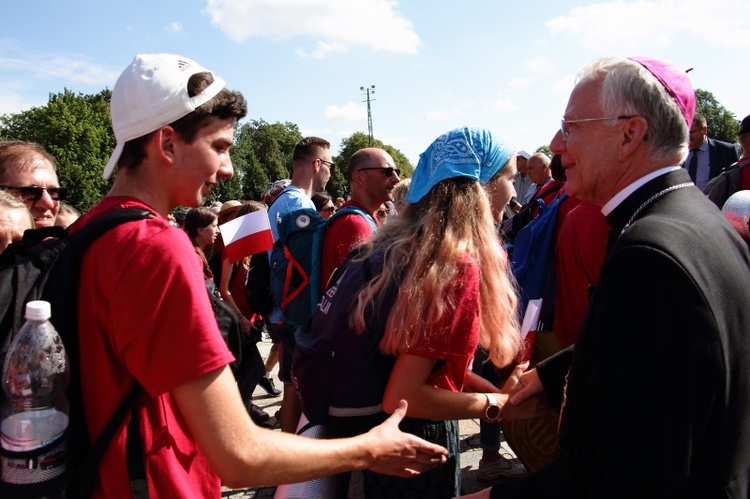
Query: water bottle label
x,y
28,468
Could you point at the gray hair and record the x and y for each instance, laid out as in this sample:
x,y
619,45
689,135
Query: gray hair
x,y
629,89
9,202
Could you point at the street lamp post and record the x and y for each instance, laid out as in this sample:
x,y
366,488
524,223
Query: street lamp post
x,y
369,90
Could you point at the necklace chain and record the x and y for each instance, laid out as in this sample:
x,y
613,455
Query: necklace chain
x,y
652,199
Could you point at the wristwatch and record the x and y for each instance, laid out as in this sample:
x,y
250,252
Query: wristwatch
x,y
492,411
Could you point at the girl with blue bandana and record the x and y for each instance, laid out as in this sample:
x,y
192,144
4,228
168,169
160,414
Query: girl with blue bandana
x,y
453,293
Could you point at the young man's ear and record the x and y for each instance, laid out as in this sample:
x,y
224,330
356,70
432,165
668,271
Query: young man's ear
x,y
164,142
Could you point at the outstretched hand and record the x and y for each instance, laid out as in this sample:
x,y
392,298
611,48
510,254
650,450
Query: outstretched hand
x,y
401,454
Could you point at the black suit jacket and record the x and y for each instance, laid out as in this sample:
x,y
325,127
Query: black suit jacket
x,y
658,397
720,155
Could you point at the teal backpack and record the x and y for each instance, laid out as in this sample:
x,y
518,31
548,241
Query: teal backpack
x,y
295,261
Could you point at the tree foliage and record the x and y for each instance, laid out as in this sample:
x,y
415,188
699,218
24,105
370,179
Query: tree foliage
x,y
545,149
722,123
76,130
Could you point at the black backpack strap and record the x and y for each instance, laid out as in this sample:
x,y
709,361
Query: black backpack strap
x,y
81,239
90,465
88,470
135,458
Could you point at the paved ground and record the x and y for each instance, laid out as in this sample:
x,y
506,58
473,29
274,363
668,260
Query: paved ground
x,y
470,451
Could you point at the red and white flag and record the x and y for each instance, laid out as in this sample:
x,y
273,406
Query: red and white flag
x,y
246,235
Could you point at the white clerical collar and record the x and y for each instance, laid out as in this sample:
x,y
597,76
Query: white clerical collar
x,y
627,191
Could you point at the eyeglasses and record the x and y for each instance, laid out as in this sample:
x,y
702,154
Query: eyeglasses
x,y
330,165
564,123
34,193
328,209
387,172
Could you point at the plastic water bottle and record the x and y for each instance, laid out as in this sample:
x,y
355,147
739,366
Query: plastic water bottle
x,y
35,411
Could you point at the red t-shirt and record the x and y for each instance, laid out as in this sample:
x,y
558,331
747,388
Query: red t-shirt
x,y
581,247
343,235
456,338
144,314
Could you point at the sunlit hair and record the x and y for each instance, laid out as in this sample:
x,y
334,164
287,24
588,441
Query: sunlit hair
x,y
9,202
629,89
198,218
422,248
19,155
400,189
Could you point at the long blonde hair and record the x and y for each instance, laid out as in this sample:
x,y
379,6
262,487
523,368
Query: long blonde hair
x,y
422,248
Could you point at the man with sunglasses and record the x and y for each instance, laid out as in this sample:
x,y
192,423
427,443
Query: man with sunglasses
x,y
27,171
372,175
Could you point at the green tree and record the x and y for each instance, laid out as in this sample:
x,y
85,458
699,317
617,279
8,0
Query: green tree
x,y
545,149
76,130
722,123
262,153
338,185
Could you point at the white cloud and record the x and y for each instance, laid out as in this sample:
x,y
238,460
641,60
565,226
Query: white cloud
x,y
541,65
503,105
440,114
173,27
624,25
333,25
518,82
350,111
322,49
565,84
71,69
12,101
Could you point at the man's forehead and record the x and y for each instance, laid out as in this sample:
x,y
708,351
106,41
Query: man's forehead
x,y
585,96
29,170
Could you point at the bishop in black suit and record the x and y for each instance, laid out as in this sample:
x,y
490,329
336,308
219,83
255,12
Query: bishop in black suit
x,y
655,394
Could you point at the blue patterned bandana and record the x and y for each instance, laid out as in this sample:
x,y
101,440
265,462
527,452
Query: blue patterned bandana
x,y
464,152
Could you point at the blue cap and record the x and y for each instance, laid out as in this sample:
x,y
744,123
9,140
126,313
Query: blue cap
x,y
464,152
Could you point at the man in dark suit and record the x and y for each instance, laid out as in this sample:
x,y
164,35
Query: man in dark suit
x,y
707,157
655,394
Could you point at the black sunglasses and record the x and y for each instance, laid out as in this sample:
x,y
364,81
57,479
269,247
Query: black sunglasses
x,y
387,172
330,165
34,193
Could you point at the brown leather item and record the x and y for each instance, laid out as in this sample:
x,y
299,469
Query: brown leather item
x,y
534,440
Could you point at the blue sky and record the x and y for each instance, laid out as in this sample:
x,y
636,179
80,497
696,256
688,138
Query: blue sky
x,y
436,65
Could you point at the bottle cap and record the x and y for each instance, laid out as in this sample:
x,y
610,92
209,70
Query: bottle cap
x,y
38,310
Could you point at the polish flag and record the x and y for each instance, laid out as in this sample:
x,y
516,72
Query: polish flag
x,y
246,235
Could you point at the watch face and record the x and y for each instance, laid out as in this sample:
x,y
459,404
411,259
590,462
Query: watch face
x,y
493,412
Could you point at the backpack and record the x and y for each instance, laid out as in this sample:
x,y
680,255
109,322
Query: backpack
x,y
510,228
332,366
49,271
719,188
295,261
533,258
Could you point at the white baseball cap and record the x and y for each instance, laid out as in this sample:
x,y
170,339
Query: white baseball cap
x,y
523,154
151,93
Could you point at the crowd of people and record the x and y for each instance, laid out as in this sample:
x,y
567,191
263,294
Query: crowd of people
x,y
645,362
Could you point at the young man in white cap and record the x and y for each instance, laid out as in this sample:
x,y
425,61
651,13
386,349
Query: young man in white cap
x,y
146,318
